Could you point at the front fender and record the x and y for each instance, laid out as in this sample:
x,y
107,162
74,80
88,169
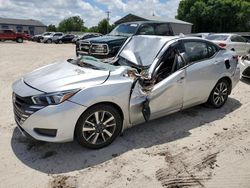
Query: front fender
x,y
114,91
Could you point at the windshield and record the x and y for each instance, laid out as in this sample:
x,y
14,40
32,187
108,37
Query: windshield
x,y
45,34
125,29
217,37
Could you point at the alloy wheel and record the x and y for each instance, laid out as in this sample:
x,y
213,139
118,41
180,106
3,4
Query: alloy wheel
x,y
220,94
99,127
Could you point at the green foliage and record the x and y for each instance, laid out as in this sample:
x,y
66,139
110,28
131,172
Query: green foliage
x,y
74,23
51,28
104,27
216,15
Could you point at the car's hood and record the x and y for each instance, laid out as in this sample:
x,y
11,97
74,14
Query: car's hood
x,y
64,76
106,39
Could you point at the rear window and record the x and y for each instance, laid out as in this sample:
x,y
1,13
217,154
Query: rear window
x,y
218,37
160,29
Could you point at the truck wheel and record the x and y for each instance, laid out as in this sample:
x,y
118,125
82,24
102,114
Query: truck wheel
x,y
19,40
98,126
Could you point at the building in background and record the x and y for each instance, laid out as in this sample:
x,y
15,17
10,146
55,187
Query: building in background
x,y
178,26
32,27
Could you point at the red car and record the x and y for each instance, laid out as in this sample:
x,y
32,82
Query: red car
x,y
8,34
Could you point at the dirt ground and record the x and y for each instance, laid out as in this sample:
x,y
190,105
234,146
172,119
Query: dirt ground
x,y
198,147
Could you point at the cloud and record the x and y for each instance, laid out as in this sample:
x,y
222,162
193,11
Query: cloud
x,y
92,11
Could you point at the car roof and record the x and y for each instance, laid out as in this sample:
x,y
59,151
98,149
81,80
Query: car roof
x,y
142,22
136,49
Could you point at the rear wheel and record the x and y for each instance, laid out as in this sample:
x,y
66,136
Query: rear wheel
x,y
98,126
49,41
60,42
219,94
19,40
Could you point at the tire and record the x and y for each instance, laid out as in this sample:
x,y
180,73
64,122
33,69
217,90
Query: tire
x,y
219,94
19,40
60,42
49,41
91,129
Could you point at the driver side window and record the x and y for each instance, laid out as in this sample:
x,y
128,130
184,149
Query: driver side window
x,y
170,63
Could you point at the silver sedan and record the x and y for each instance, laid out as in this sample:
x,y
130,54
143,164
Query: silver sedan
x,y
93,102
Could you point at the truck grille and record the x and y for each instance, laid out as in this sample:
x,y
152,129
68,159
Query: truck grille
x,y
23,107
93,49
85,47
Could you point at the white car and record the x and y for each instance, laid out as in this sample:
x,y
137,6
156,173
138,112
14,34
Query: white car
x,y
52,37
233,42
151,77
245,66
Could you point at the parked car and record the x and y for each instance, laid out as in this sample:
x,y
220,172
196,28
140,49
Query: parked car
x,y
246,37
38,38
200,35
245,66
64,39
85,36
51,38
108,46
8,34
94,102
232,42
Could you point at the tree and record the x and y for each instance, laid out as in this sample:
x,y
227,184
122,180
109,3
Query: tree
x,y
74,23
51,28
216,15
104,27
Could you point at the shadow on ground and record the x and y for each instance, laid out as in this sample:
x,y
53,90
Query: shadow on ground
x,y
245,80
61,158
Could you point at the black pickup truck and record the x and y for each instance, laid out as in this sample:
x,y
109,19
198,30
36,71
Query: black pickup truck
x,y
107,46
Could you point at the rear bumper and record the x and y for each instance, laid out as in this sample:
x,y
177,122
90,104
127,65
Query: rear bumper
x,y
236,76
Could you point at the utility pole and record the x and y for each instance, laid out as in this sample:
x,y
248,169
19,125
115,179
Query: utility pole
x,y
108,14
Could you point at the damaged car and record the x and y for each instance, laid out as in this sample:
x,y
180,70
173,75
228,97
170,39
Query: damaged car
x,y
151,77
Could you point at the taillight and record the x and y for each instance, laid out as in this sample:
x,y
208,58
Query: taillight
x,y
223,45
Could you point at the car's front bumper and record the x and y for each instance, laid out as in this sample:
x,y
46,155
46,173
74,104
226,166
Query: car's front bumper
x,y
57,119
62,118
245,68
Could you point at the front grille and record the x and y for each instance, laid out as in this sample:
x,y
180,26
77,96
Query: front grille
x,y
23,107
93,49
84,47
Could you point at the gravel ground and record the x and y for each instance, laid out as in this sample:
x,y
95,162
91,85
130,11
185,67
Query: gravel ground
x,y
198,147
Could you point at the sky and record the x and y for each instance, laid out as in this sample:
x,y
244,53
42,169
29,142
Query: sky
x,y
91,11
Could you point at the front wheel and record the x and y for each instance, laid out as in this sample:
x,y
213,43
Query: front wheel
x,y
219,94
98,126
19,40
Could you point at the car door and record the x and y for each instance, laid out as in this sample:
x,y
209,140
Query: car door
x,y
161,96
201,71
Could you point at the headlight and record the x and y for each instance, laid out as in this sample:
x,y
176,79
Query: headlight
x,y
53,98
